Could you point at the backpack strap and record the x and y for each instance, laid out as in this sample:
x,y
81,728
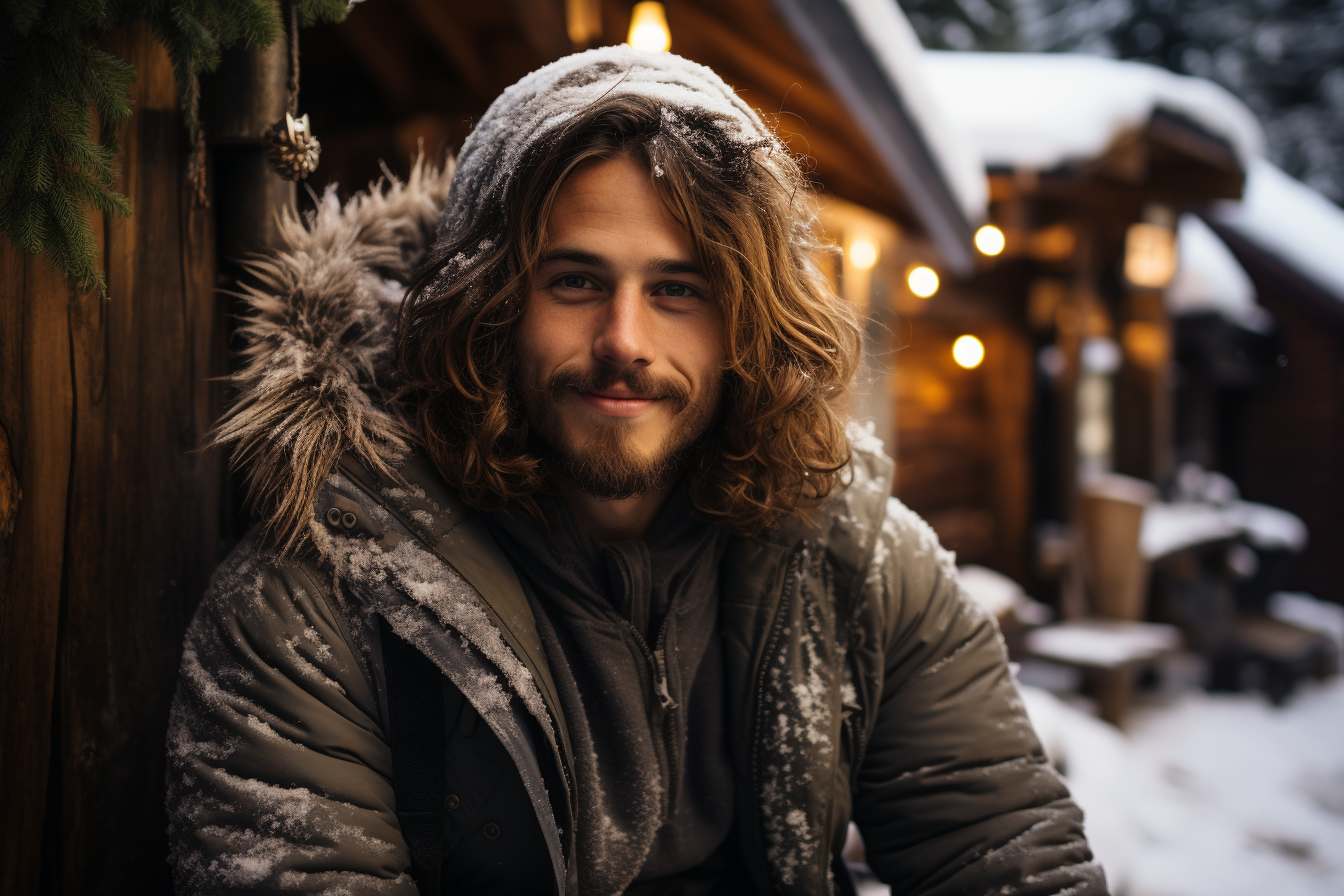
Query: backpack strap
x,y
416,715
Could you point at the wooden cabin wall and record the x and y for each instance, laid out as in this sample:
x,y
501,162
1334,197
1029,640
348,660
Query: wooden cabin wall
x,y
963,438
104,405
1293,429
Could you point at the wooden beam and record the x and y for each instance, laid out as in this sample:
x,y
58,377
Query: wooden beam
x,y
455,42
542,24
771,73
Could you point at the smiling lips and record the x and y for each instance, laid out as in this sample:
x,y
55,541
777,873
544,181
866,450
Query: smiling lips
x,y
617,402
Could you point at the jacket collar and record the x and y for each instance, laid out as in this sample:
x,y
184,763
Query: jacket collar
x,y
420,500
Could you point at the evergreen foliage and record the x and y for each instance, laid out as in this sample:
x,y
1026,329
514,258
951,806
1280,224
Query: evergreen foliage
x,y
53,169
964,24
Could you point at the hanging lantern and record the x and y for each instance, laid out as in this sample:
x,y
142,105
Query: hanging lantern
x,y
990,240
1150,249
968,352
862,253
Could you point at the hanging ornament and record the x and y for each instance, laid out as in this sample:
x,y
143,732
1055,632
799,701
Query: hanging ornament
x,y
291,148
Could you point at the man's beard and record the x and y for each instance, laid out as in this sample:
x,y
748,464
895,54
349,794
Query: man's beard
x,y
606,465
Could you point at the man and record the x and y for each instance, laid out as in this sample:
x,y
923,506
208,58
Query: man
x,y
603,599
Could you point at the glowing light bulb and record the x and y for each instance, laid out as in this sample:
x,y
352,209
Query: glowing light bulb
x,y
648,28
990,240
922,280
863,254
968,352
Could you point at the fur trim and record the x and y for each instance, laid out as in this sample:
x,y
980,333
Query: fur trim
x,y
319,328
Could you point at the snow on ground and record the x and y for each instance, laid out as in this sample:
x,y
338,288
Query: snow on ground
x,y
1206,794
1210,794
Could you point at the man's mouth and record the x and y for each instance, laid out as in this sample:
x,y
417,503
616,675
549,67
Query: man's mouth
x,y
614,401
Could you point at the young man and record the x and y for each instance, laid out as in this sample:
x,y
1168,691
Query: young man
x,y
582,587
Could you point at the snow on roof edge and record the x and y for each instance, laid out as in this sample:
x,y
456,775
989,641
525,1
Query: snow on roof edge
x,y
896,48
1291,221
1044,110
1210,279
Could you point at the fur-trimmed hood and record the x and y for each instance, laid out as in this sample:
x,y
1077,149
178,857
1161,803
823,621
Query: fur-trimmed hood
x,y
321,308
319,330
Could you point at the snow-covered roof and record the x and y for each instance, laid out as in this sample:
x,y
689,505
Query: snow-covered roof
x,y
1039,110
869,55
1292,222
896,48
1210,279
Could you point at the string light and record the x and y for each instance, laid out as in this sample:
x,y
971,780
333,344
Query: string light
x,y
968,352
922,280
648,28
990,240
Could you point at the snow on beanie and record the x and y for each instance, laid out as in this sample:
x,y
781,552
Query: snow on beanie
x,y
526,113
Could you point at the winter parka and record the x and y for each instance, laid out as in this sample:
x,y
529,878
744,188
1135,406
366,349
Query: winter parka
x,y
861,682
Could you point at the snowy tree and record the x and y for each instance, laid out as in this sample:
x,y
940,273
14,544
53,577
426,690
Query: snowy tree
x,y
1283,58
963,24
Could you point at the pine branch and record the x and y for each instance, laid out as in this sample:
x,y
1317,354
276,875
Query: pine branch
x,y
52,171
50,165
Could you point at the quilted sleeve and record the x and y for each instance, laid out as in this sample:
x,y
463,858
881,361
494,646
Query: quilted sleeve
x,y
279,776
955,794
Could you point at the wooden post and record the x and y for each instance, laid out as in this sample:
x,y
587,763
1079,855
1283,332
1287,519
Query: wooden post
x,y
239,102
1007,377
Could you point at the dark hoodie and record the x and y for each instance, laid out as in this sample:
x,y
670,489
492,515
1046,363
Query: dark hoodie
x,y
631,634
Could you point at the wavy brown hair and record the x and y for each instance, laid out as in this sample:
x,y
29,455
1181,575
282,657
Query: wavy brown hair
x,y
779,443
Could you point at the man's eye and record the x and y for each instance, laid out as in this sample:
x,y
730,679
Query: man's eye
x,y
574,281
678,290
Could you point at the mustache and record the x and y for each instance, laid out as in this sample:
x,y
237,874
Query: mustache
x,y
639,381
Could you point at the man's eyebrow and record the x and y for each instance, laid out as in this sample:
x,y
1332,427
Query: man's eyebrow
x,y
592,259
574,256
675,266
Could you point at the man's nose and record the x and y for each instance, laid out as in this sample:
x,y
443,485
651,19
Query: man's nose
x,y
625,333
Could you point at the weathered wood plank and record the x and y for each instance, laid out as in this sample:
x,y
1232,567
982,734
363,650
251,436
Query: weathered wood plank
x,y
143,531
36,409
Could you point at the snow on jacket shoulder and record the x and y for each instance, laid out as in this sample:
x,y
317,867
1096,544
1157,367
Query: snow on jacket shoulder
x,y
279,774
955,794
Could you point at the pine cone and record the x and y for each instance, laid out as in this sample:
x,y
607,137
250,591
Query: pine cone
x,y
293,149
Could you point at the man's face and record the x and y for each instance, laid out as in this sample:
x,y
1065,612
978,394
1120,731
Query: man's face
x,y
620,349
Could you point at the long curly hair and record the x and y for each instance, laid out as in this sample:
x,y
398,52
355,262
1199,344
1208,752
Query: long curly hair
x,y
778,444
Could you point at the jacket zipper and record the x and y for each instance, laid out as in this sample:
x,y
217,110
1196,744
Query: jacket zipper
x,y
858,739
793,579
658,663
656,660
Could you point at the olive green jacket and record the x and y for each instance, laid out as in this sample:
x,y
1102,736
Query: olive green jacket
x,y
862,683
